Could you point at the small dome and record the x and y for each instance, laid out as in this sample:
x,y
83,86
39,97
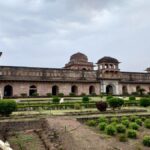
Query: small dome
x,y
107,60
148,69
79,57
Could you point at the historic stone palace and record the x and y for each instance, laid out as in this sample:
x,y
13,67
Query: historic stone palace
x,y
77,77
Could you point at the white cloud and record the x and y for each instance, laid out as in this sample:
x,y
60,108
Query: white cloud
x,y
46,32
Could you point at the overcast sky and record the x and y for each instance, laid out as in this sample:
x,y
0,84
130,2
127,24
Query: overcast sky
x,y
45,33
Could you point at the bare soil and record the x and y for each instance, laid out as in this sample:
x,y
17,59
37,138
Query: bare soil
x,y
81,137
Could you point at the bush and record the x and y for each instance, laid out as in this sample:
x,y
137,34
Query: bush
x,y
72,94
102,126
35,94
133,118
101,106
124,118
23,94
114,124
120,128
77,106
132,98
103,119
110,130
109,97
123,138
114,119
83,94
115,102
147,123
146,141
56,99
61,94
145,102
132,134
49,94
85,99
139,122
125,123
91,123
7,107
135,93
134,126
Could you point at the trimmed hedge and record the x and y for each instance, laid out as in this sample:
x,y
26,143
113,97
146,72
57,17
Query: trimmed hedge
x,y
146,141
145,102
115,103
101,106
7,107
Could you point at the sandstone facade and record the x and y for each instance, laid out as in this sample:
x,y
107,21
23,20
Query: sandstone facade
x,y
77,77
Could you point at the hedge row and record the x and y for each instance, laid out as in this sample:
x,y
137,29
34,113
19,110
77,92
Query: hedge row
x,y
55,106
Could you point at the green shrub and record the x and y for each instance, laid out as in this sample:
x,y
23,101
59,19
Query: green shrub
x,y
120,128
133,118
83,94
147,123
123,138
102,126
49,94
77,106
109,97
85,99
72,94
115,102
146,140
110,130
101,105
7,107
132,134
23,94
145,102
103,119
124,118
132,98
35,94
114,119
56,99
113,123
134,126
139,122
125,123
61,94
91,123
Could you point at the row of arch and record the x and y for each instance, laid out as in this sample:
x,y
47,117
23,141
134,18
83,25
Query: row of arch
x,y
125,89
8,90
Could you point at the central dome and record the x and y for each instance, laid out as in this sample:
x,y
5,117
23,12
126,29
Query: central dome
x,y
79,57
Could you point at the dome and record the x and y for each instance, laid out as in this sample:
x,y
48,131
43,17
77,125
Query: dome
x,y
107,60
79,57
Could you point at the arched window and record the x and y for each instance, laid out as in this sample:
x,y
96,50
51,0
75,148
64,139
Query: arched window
x,y
55,90
124,90
109,89
84,69
32,90
74,89
91,90
8,90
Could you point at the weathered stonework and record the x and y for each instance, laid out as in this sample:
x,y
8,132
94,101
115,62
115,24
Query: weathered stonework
x,y
77,77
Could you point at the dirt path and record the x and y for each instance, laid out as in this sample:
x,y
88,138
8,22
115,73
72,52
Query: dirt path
x,y
76,136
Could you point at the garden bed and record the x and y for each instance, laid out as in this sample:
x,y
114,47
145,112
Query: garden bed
x,y
131,110
132,130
